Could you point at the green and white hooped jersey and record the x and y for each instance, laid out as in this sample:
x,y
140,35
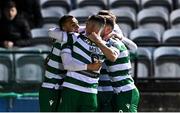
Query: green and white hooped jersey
x,y
104,80
83,51
119,70
55,72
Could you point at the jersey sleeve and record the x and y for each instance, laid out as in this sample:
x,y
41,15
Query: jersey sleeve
x,y
57,34
66,54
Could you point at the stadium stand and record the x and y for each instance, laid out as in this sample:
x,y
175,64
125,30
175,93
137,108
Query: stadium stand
x,y
39,33
175,18
124,15
100,3
165,62
40,37
57,9
92,9
6,66
168,4
81,14
133,4
171,37
153,15
50,16
154,18
66,4
49,25
145,37
144,63
126,28
177,3
29,68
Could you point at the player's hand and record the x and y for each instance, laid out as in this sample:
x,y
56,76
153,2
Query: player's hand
x,y
94,37
113,34
94,66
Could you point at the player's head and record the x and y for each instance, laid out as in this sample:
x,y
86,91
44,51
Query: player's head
x,y
10,10
105,13
110,22
68,23
95,23
109,26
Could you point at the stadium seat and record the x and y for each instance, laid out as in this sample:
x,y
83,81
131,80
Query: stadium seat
x,y
145,37
49,25
39,33
156,27
153,15
66,4
29,67
100,3
59,10
81,14
168,4
166,62
177,3
144,62
92,9
175,18
40,36
43,48
171,37
126,28
133,4
124,15
6,66
50,16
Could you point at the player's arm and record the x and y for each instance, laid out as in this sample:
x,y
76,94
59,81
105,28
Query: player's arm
x,y
60,35
129,43
57,34
118,34
72,65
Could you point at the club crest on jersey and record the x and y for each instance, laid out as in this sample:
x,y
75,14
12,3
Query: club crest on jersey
x,y
95,57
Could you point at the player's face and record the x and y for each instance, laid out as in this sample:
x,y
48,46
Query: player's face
x,y
89,27
71,25
107,30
